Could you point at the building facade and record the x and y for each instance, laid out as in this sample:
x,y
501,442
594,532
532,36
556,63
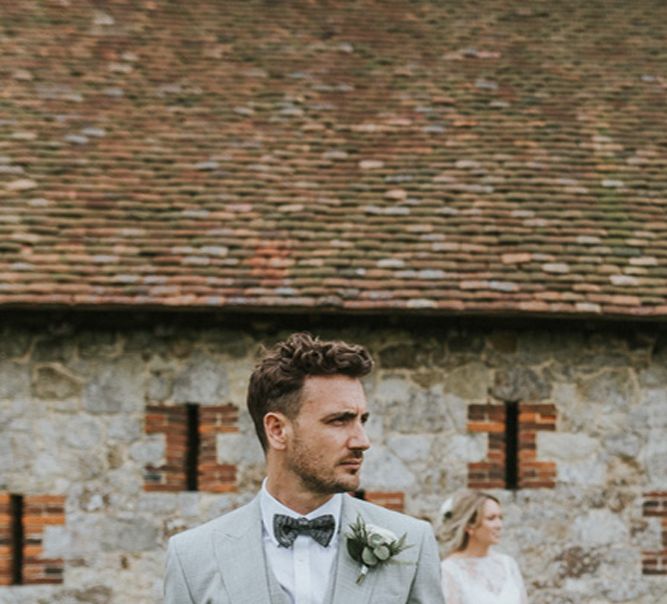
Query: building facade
x,y
117,436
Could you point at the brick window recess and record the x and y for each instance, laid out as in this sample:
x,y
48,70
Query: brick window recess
x,y
392,500
191,447
173,423
6,540
23,521
511,461
215,477
655,506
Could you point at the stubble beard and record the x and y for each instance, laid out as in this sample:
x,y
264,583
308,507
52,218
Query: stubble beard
x,y
312,475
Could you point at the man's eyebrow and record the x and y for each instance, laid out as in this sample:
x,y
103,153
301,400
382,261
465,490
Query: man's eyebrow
x,y
345,415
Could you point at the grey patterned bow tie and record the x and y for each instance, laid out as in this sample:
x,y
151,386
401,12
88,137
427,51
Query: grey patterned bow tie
x,y
286,529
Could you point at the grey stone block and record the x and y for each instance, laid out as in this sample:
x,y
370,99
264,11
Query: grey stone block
x,y
96,344
14,381
52,382
116,386
14,344
53,349
128,535
469,382
203,380
521,384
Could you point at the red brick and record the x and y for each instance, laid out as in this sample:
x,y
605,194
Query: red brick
x,y
393,500
489,419
41,511
539,408
496,427
655,505
654,562
535,417
172,422
214,420
6,546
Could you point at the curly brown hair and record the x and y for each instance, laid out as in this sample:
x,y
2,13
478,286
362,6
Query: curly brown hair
x,y
277,380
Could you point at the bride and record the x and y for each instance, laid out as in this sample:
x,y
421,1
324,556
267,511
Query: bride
x,y
471,572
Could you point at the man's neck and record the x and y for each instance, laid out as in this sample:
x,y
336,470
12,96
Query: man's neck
x,y
295,496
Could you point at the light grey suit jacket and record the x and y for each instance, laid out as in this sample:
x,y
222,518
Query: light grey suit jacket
x,y
223,562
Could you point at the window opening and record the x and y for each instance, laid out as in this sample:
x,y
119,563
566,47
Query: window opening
x,y
512,445
192,458
16,506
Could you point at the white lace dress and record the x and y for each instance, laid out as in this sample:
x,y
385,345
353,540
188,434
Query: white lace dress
x,y
491,579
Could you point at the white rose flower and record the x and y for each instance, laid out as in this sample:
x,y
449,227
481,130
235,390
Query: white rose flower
x,y
372,546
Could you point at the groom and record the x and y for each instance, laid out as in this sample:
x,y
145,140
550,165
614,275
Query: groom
x,y
289,544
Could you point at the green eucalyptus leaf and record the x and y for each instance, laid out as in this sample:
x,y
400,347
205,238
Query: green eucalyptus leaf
x,y
354,548
368,557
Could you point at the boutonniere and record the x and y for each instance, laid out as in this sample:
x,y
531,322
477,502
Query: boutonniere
x,y
372,546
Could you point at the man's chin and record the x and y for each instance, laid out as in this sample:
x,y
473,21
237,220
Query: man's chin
x,y
350,483
336,484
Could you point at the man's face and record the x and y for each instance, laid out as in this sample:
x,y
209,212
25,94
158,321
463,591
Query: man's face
x,y
328,437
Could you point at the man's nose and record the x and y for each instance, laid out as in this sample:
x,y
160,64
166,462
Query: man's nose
x,y
359,439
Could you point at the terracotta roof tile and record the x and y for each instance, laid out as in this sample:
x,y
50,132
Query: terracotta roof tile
x,y
437,157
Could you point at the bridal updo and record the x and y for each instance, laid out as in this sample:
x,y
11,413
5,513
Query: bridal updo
x,y
465,508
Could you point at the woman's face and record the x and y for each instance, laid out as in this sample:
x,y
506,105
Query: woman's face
x,y
487,532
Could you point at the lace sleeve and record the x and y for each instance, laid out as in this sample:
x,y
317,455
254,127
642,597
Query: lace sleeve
x,y
518,580
450,586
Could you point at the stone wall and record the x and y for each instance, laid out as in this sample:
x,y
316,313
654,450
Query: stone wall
x,y
99,417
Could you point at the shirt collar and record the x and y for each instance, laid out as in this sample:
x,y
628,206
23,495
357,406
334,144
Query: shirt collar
x,y
270,506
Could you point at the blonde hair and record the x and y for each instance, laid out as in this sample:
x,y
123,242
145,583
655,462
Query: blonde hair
x,y
466,509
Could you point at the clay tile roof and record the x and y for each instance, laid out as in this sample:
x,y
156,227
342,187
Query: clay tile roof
x,y
432,156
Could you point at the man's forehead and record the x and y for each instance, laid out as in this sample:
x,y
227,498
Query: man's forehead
x,y
336,380
334,390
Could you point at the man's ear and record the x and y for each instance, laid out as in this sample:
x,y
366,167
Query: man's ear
x,y
277,429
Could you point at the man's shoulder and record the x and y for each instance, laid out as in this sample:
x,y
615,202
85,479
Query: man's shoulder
x,y
202,533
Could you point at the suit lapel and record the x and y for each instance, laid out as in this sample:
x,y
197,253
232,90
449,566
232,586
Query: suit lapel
x,y
240,556
345,588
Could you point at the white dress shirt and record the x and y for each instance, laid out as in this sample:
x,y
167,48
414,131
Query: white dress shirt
x,y
304,569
